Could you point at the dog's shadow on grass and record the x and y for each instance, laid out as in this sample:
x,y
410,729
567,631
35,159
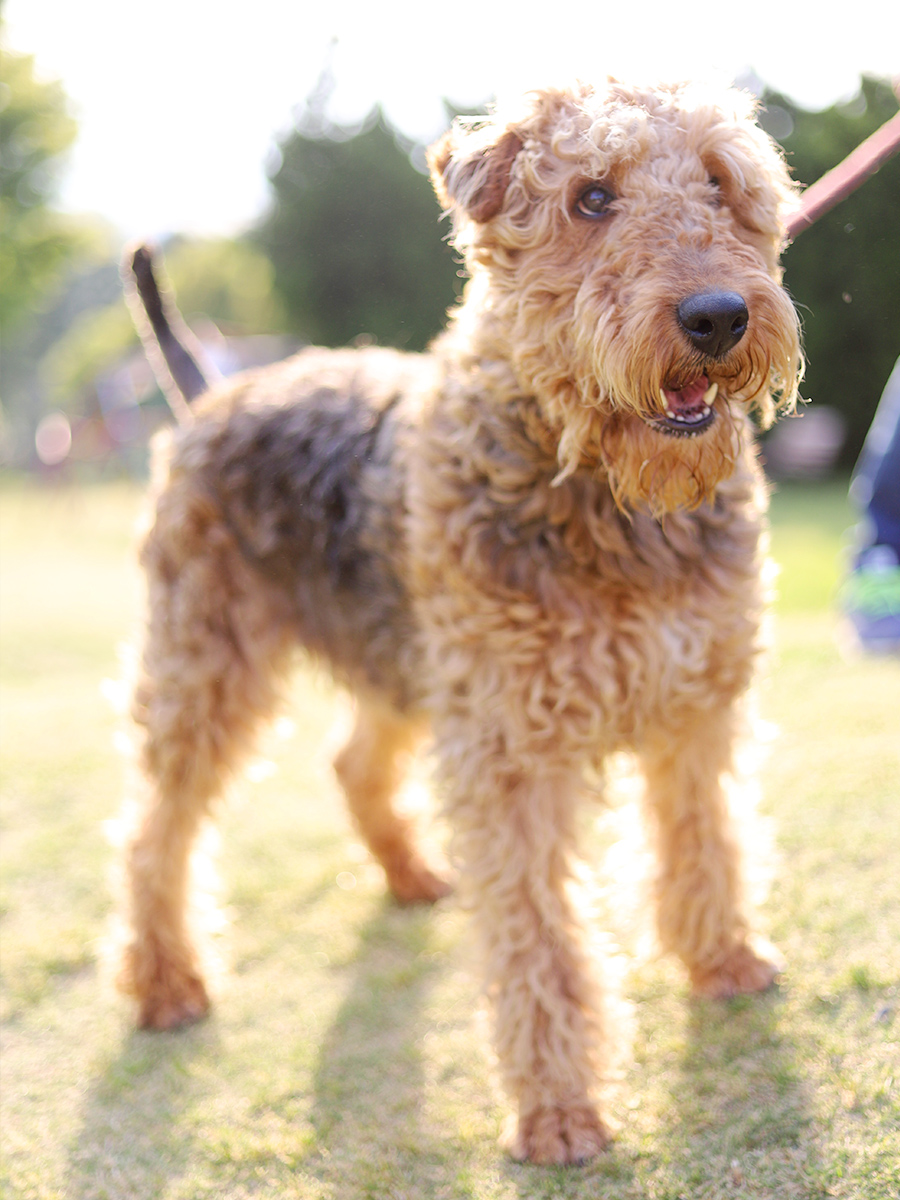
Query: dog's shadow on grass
x,y
387,1111
131,1117
357,1122
373,1134
741,1091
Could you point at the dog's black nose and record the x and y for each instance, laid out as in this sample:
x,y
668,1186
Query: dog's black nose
x,y
713,321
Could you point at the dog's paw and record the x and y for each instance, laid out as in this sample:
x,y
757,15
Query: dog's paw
x,y
742,971
557,1136
414,882
178,1002
168,992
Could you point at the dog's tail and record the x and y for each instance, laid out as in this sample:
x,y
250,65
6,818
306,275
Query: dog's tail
x,y
179,363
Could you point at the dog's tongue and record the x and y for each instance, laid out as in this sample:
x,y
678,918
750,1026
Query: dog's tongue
x,y
690,399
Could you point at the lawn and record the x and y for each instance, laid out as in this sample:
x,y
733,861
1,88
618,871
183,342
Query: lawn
x,y
347,1057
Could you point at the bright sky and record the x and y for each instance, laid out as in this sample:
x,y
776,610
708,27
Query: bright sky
x,y
179,101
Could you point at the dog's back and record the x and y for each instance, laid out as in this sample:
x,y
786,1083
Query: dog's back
x,y
305,464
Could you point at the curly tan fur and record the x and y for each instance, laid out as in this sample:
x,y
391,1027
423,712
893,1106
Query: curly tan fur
x,y
534,538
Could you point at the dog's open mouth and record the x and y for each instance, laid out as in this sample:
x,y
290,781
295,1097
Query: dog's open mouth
x,y
688,410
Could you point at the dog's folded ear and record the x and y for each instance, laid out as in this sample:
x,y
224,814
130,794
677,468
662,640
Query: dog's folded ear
x,y
470,166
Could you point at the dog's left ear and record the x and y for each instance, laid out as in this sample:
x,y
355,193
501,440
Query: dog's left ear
x,y
471,171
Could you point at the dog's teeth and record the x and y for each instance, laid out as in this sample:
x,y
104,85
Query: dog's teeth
x,y
710,394
705,412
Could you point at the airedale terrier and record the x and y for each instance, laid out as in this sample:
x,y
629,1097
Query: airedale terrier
x,y
542,538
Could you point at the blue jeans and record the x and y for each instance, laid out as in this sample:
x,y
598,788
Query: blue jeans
x,y
875,486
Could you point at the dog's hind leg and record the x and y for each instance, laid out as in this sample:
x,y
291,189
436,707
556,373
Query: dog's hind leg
x,y
699,890
371,767
217,641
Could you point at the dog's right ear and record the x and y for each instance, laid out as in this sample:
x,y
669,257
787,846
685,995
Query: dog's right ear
x,y
470,170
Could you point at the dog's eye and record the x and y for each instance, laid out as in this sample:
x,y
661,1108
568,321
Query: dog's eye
x,y
714,182
594,201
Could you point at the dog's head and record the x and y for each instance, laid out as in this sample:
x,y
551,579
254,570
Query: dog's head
x,y
624,249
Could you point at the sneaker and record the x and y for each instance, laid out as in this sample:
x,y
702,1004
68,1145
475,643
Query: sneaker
x,y
870,601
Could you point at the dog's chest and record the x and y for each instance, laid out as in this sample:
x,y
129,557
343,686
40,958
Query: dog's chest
x,y
612,621
641,638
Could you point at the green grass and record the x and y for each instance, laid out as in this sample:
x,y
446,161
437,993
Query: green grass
x,y
346,1057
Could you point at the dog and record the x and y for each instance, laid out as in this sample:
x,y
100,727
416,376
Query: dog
x,y
542,541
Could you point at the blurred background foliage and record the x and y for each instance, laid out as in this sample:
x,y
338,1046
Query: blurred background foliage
x,y
352,249
36,129
354,237
844,272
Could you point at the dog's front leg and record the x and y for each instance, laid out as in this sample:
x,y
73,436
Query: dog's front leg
x,y
701,912
513,826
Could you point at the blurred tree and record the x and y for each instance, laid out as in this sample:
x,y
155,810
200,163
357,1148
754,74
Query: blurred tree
x,y
355,237
844,272
35,131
